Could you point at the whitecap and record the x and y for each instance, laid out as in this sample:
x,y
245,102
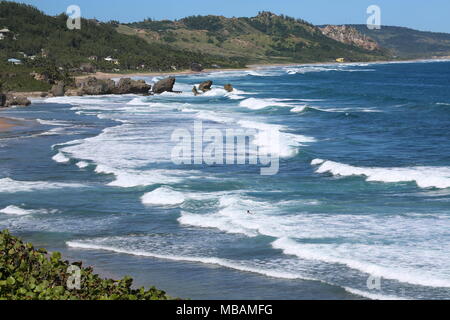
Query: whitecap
x,y
8,185
256,104
206,260
18,211
332,254
425,177
163,196
60,158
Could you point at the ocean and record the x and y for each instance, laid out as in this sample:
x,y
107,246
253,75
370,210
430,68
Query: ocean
x,y
359,207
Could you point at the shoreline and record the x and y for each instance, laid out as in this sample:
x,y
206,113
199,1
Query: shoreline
x,y
7,124
109,76
106,75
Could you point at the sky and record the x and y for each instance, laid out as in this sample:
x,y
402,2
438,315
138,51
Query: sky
x,y
430,15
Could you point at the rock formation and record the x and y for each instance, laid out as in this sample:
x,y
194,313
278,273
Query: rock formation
x,y
58,89
94,86
2,99
127,85
350,35
205,86
195,91
15,100
165,85
228,87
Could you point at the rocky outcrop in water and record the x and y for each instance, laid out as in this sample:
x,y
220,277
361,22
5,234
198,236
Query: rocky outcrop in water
x,y
127,85
164,85
205,86
195,91
94,86
12,99
228,87
350,35
2,100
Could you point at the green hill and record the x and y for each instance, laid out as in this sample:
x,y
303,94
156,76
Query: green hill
x,y
409,43
264,38
32,33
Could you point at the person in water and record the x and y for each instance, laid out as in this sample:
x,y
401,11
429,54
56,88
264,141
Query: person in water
x,y
248,212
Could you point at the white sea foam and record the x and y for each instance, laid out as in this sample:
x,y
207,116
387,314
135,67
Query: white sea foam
x,y
299,109
163,196
326,68
82,164
425,177
54,122
206,260
8,185
92,100
213,116
232,217
138,102
256,104
127,178
61,158
317,162
285,146
372,295
13,210
18,211
337,254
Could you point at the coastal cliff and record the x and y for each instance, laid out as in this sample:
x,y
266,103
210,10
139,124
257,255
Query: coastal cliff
x,y
350,36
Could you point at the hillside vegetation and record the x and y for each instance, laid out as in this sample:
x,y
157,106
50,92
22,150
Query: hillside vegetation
x,y
264,38
44,42
30,274
409,43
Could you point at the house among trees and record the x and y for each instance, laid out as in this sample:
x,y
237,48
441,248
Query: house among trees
x,y
3,33
112,60
14,61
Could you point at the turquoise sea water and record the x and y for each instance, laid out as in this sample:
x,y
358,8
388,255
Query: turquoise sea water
x,y
362,194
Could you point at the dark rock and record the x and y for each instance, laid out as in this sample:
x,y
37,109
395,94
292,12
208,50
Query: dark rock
x,y
205,86
16,100
127,85
228,87
2,99
58,89
197,67
195,91
164,85
94,86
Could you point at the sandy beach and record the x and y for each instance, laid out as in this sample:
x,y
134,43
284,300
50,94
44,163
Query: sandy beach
x,y
6,124
104,75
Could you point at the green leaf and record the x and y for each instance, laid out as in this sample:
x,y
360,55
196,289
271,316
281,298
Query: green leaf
x,y
11,281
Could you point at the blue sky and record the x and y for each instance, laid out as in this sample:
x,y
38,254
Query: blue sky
x,y
430,15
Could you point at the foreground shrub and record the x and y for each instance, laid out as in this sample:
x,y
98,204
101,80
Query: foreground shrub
x,y
30,274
